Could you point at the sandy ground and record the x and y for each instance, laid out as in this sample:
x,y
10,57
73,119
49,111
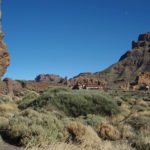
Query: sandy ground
x,y
5,146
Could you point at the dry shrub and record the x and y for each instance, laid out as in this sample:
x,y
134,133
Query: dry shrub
x,y
8,107
145,113
142,103
117,145
128,131
108,132
85,136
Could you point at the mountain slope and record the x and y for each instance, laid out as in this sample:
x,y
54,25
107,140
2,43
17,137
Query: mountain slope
x,y
130,64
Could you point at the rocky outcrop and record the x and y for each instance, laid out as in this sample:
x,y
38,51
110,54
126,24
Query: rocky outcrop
x,y
51,78
10,87
143,78
129,65
142,82
124,72
4,56
82,82
78,82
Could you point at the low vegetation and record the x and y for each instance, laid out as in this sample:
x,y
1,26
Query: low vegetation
x,y
30,127
61,118
75,102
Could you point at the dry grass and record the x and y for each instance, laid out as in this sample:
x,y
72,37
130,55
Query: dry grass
x,y
108,132
8,107
84,136
142,103
128,131
145,113
106,145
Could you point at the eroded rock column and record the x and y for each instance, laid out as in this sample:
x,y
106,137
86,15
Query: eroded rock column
x,y
4,55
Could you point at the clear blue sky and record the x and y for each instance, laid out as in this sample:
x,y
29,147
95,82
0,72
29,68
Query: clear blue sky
x,y
67,37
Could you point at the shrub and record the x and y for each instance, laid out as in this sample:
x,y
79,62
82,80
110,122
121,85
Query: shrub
x,y
5,98
90,119
24,104
75,103
139,122
142,146
78,133
31,128
108,132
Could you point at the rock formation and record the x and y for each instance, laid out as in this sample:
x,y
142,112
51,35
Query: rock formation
x,y
51,78
143,78
142,82
10,87
82,82
130,64
4,55
121,74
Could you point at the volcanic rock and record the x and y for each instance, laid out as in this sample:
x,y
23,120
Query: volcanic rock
x,y
129,65
4,56
82,82
48,78
10,87
14,88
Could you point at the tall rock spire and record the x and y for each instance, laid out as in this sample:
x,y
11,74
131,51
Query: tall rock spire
x,y
0,16
4,55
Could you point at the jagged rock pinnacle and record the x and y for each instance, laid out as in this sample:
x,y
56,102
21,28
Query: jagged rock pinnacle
x,y
4,55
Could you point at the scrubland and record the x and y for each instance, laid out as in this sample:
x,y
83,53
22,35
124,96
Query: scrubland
x,y
63,119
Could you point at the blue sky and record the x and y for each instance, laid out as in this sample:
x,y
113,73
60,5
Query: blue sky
x,y
67,37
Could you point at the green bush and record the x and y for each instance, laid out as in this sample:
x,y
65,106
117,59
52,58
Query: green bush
x,y
91,120
76,102
5,98
24,104
31,128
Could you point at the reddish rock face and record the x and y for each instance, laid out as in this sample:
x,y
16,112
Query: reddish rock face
x,y
4,56
142,81
86,82
143,78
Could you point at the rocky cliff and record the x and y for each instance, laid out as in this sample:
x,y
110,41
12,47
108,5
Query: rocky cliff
x,y
123,72
4,56
129,65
